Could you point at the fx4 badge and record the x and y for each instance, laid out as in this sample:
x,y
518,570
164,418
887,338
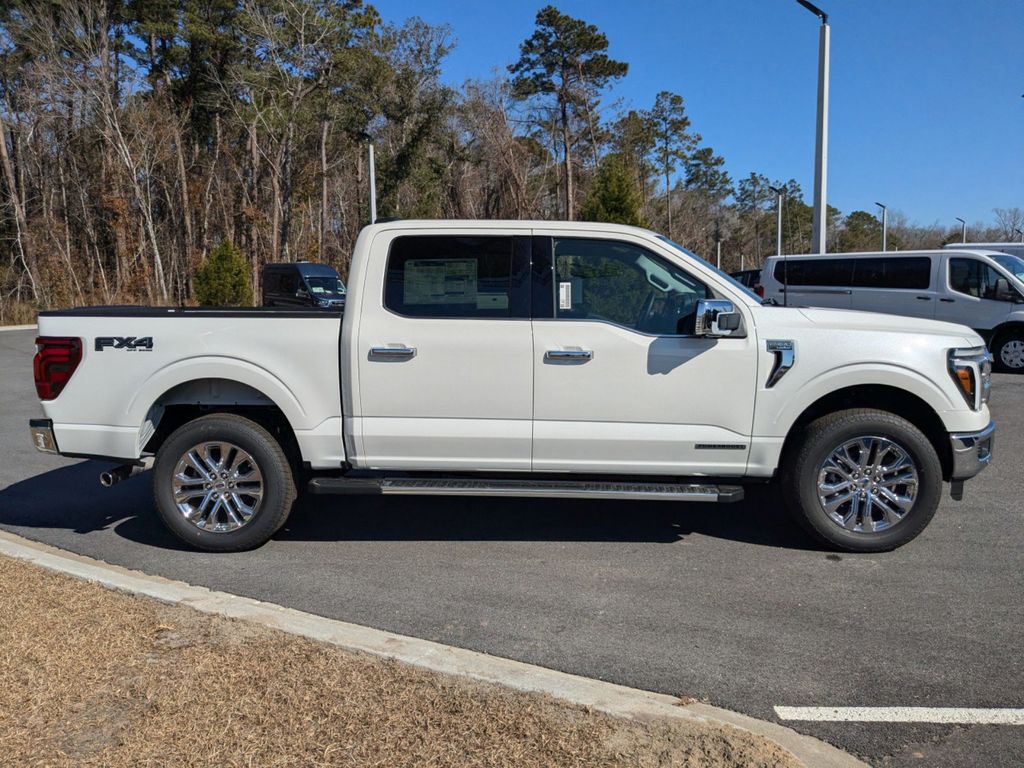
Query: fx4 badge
x,y
130,343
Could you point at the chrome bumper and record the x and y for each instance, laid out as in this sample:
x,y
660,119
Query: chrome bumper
x,y
42,435
972,451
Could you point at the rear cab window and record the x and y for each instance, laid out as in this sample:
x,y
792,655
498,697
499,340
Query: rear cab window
x,y
451,276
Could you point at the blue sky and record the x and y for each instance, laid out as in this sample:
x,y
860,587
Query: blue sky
x,y
927,113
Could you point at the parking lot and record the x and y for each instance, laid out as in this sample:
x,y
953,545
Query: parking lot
x,y
730,604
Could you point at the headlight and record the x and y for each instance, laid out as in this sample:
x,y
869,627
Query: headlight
x,y
971,370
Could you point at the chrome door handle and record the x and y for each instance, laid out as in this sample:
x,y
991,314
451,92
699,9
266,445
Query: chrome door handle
x,y
392,352
569,354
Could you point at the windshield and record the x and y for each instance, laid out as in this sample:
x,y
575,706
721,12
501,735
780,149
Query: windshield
x,y
1012,264
324,285
727,277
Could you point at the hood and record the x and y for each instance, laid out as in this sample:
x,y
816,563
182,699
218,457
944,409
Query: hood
x,y
853,320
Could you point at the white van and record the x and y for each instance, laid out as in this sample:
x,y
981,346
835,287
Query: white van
x,y
981,289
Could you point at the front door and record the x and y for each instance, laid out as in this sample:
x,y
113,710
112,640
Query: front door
x,y
445,372
971,298
621,384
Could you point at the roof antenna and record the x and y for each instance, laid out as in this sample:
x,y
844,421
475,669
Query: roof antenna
x,y
780,195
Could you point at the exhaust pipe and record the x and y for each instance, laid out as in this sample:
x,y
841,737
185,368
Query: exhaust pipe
x,y
114,476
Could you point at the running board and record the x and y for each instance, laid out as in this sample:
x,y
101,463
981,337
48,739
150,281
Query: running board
x,y
537,488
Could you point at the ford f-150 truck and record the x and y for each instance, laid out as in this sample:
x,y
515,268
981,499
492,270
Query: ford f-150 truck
x,y
522,358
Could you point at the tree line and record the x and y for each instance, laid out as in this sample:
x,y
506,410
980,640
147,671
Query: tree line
x,y
138,136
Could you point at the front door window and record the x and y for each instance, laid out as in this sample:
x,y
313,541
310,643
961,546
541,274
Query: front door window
x,y
623,284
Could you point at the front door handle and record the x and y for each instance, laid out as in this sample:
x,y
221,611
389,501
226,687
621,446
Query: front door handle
x,y
393,353
924,298
569,354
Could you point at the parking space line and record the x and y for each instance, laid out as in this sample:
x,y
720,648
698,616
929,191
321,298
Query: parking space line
x,y
950,715
16,327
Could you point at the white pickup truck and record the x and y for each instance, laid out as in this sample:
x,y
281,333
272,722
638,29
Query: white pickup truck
x,y
522,358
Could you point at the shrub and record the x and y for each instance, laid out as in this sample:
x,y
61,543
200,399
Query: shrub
x,y
224,279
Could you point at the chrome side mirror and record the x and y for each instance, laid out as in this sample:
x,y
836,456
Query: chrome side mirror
x,y
716,318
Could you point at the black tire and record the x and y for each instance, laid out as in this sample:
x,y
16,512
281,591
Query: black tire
x,y
1004,358
277,483
804,461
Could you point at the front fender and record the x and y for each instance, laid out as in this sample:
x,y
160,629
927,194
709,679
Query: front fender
x,y
781,408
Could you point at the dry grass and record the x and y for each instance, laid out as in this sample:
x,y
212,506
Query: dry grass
x,y
92,677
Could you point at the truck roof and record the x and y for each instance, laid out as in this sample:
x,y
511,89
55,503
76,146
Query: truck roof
x,y
524,224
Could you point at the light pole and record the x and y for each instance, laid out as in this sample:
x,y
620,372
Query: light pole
x,y
780,193
373,187
365,136
963,230
818,222
885,225
1019,232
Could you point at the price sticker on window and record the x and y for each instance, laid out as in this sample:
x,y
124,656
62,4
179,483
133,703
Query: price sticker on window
x,y
565,295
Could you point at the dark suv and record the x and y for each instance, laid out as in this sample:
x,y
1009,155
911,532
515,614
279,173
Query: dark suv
x,y
302,284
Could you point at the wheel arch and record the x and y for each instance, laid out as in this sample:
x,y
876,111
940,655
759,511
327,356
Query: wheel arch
x,y
189,400
881,397
1000,330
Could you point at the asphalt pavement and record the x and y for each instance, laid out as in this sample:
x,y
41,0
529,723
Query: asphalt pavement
x,y
730,604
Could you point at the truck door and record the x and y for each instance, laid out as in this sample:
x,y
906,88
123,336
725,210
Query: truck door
x,y
444,352
621,383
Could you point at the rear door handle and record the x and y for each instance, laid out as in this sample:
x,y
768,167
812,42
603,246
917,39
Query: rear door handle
x,y
569,354
393,352
947,301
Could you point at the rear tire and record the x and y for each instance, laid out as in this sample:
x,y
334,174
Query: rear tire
x,y
1008,352
862,480
223,483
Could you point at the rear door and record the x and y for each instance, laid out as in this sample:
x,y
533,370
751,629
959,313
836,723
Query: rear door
x,y
445,352
895,285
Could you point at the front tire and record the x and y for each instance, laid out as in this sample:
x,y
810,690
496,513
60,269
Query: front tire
x,y
223,483
863,480
1008,352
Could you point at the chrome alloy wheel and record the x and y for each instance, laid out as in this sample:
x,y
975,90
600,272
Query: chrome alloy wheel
x,y
217,486
867,484
1011,354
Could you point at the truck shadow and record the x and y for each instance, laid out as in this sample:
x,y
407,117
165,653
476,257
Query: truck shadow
x,y
71,499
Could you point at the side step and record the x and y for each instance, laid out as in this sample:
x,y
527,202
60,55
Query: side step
x,y
536,488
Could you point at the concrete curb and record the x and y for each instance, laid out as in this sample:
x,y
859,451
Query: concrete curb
x,y
613,699
17,327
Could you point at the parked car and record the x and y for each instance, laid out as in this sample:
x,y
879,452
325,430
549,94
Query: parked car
x,y
522,358
980,289
750,278
302,284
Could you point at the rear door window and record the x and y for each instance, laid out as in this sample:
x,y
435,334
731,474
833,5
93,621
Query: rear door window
x,y
912,272
818,272
446,276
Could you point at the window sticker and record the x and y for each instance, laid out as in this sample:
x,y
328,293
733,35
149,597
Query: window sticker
x,y
440,281
565,295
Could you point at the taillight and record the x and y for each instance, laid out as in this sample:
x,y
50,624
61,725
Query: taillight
x,y
759,290
56,359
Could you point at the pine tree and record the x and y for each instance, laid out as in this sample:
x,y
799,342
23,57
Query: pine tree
x,y
613,198
565,59
223,279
